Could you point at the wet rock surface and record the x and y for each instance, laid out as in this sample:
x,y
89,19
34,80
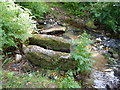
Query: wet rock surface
x,y
104,79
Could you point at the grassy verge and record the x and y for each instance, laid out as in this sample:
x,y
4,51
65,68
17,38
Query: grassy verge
x,y
34,80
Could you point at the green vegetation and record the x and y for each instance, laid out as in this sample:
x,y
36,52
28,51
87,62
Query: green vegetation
x,y
15,24
5,60
69,82
13,80
104,13
110,59
81,54
34,80
38,9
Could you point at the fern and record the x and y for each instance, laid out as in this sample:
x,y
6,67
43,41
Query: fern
x,y
15,24
81,55
38,9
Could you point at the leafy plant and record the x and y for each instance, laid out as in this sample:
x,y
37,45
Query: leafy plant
x,y
17,80
5,60
79,9
16,24
38,9
34,80
106,13
69,82
81,55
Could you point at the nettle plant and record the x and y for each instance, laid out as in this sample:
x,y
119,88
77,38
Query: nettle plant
x,y
81,55
16,24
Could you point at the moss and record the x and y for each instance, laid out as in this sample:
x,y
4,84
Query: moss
x,y
50,43
90,24
50,62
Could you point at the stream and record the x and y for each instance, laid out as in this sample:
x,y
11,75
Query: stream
x,y
105,72
51,48
102,75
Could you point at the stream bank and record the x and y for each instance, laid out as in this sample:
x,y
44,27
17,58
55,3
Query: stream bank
x,y
105,73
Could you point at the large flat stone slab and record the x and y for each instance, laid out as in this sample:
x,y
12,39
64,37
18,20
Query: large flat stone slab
x,y
53,30
49,59
50,42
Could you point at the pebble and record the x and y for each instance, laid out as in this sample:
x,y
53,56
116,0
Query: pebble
x,y
18,57
115,55
101,46
98,39
108,70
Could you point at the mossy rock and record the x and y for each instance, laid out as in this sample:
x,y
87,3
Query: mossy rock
x,y
50,42
49,59
90,24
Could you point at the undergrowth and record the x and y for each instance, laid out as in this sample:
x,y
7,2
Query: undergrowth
x,y
34,80
106,13
16,24
81,55
38,9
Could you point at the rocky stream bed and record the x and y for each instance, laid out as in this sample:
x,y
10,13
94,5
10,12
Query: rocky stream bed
x,y
105,73
50,47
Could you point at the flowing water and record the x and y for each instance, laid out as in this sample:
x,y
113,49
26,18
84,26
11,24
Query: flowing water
x,y
101,76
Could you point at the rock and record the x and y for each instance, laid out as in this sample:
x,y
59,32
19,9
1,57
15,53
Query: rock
x,y
108,70
52,85
117,72
27,67
50,42
90,24
40,22
18,57
98,39
99,59
49,59
53,30
116,56
48,26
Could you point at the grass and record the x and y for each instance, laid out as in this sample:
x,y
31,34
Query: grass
x,y
34,80
15,80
